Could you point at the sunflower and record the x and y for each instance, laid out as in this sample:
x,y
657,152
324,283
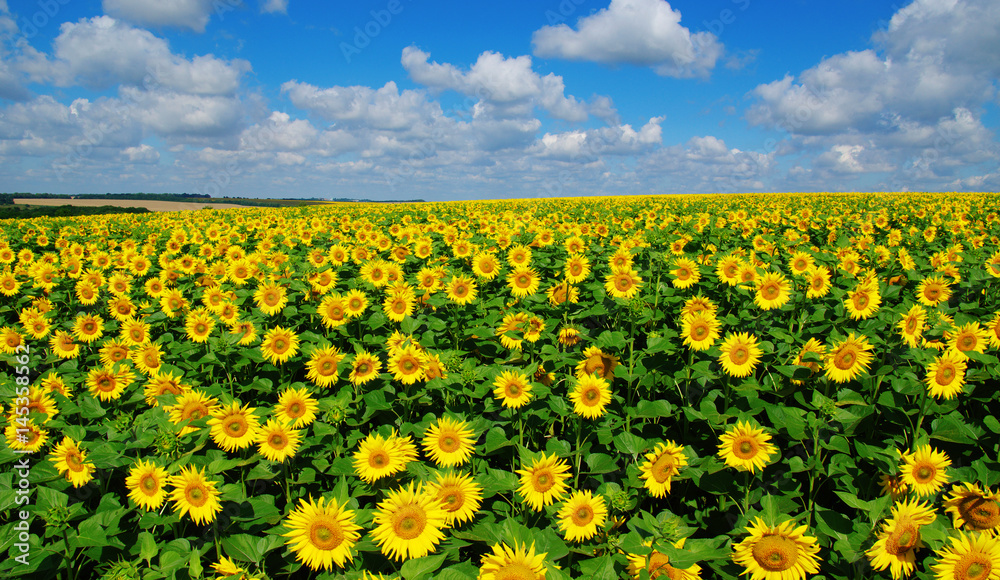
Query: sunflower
x,y
517,563
577,268
657,565
513,389
946,375
11,341
146,483
590,397
746,447
9,286
519,256
899,539
893,485
408,523
911,327
662,464
379,457
523,281
543,481
37,400
864,301
739,354
848,358
485,266
811,346
801,262
160,384
925,470
245,330
148,358
408,364
596,361
461,289
511,330
772,291
818,280
449,442
623,283
968,338
971,556
108,384
195,495
25,436
686,273
277,441
134,331
199,325
728,270
933,290
321,534
88,328
582,515
700,330
569,336
460,496
364,368
71,461
279,345
333,309
297,407
973,508
191,405
562,293
323,366
63,346
234,427
113,351
397,306
993,328
781,552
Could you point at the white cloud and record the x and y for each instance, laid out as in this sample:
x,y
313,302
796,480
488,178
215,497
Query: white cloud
x,y
102,52
279,133
590,145
183,115
504,87
638,32
144,153
193,14
852,159
384,108
275,6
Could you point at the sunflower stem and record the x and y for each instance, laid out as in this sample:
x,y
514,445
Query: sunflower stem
x,y
920,418
746,493
70,572
578,451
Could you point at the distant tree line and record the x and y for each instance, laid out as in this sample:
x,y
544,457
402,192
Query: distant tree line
x,y
18,212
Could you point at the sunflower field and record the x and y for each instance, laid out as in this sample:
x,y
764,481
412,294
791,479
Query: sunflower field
x,y
774,387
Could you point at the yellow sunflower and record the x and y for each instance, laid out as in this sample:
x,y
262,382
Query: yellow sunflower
x,y
590,396
946,375
146,483
773,291
195,495
517,563
596,361
160,384
897,543
657,565
746,447
25,436
686,273
322,534
459,494
543,481
973,508
297,407
334,311
818,280
582,516
323,366
864,301
513,389
379,457
449,442
968,338
234,427
461,289
728,269
577,268
408,523
71,461
408,364
485,266
970,556
63,346
108,384
523,281
848,358
191,405
700,330
911,327
364,368
662,464
277,441
925,470
279,345
811,346
198,325
623,283
782,552
739,354
271,298
933,290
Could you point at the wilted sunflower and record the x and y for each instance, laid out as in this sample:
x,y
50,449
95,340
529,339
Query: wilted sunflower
x,y
596,361
379,457
279,345
364,368
449,442
946,375
700,330
408,523
459,494
848,358
277,441
781,552
892,485
739,354
146,483
746,447
71,461
517,563
321,534
513,389
590,396
543,481
297,407
234,427
569,336
323,366
773,291
899,539
562,293
925,470
662,464
195,495
582,516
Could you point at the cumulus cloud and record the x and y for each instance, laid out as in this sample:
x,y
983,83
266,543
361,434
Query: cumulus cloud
x,y
193,14
144,153
504,87
591,144
637,32
102,52
385,108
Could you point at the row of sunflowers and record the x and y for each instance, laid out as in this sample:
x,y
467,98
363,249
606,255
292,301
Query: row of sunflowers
x,y
778,386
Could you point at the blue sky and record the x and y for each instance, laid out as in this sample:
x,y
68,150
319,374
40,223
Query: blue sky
x,y
402,99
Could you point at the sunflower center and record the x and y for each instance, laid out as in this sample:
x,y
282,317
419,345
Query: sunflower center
x,y
967,342
575,269
196,495
278,441
363,369
973,566
945,375
663,467
591,396
845,359
513,390
448,444
409,522
399,306
237,426
739,355
623,283
543,481
699,331
409,366
911,325
74,461
924,473
148,484
280,345
745,449
775,553
325,535
378,459
979,512
771,291
861,301
658,567
582,515
295,410
683,274
902,539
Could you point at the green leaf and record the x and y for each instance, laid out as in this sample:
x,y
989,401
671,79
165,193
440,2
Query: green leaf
x,y
601,463
602,568
653,409
496,438
147,546
421,567
953,429
629,443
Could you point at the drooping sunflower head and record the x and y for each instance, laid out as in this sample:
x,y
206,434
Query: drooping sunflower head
x,y
973,508
660,467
